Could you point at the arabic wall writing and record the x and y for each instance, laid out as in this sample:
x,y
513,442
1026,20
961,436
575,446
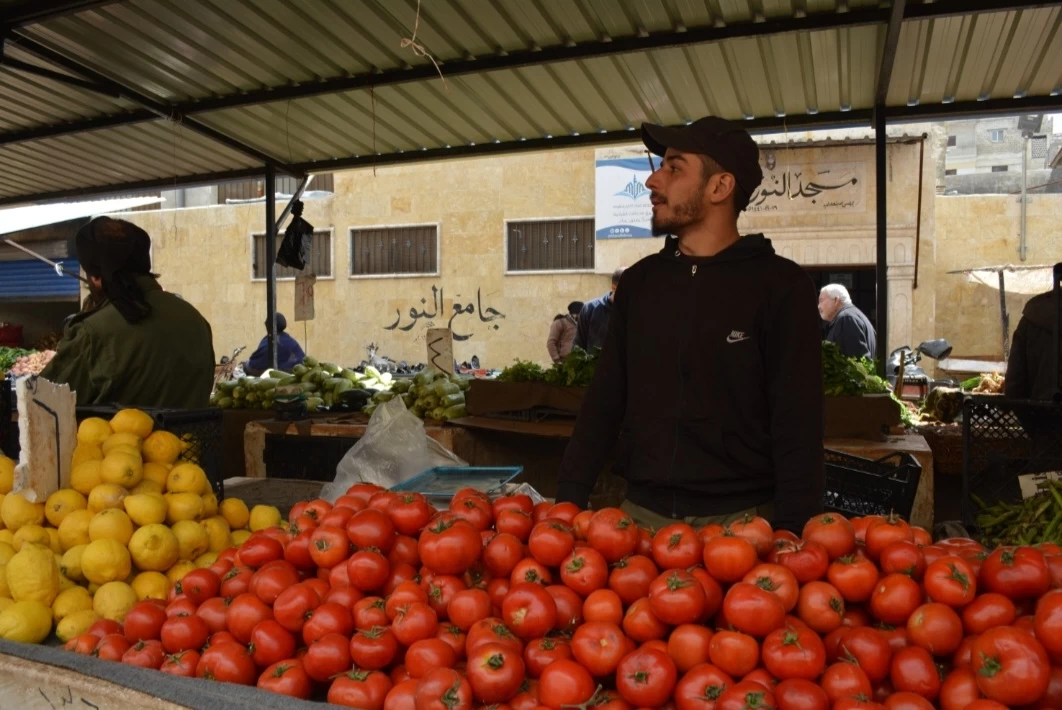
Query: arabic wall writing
x,y
484,321
809,187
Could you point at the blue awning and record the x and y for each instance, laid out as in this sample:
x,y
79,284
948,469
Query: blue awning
x,y
30,278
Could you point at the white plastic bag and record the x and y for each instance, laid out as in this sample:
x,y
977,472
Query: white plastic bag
x,y
394,449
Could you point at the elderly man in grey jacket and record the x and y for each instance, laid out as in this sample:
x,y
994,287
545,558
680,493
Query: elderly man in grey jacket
x,y
849,327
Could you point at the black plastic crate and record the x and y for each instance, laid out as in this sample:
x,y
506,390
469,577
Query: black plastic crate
x,y
305,458
857,486
201,428
1003,439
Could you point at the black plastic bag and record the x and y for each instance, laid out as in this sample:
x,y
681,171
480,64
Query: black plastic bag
x,y
296,248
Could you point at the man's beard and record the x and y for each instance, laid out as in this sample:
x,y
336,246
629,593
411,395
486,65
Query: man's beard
x,y
681,215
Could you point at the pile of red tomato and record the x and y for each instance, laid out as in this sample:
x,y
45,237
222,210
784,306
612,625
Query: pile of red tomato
x,y
381,602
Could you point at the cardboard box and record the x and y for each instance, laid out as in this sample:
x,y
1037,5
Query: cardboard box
x,y
869,417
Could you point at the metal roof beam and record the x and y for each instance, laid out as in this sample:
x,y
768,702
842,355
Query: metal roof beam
x,y
949,8
30,12
79,126
975,109
19,65
159,109
888,53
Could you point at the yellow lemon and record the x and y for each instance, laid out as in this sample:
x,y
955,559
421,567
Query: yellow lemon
x,y
106,495
235,512
154,548
8,537
176,573
61,503
187,478
72,600
5,591
133,421
264,516
84,453
122,469
93,431
2,496
239,537
120,439
33,575
192,539
206,559
7,473
66,583
146,508
53,541
5,603
210,505
6,552
74,529
86,476
76,624
70,563
105,561
113,524
32,533
157,472
183,506
113,600
218,533
161,447
26,622
151,585
146,486
16,511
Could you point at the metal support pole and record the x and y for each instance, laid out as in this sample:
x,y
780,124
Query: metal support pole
x,y
1004,316
271,261
881,266
1023,250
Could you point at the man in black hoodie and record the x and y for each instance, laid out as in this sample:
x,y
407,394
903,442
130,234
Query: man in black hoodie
x,y
1033,370
712,360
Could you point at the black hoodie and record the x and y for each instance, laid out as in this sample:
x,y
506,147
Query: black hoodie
x,y
1031,370
714,365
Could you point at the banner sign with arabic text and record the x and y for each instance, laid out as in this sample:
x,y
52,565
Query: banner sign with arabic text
x,y
834,188
622,207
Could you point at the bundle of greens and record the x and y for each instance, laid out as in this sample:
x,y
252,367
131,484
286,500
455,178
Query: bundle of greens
x,y
8,357
523,371
577,370
847,376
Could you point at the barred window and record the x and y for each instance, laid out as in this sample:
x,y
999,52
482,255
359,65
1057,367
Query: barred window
x,y
550,245
394,251
320,257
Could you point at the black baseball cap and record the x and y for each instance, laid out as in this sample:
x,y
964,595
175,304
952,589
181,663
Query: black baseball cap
x,y
725,142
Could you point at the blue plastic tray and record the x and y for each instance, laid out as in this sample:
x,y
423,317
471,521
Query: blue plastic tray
x,y
445,481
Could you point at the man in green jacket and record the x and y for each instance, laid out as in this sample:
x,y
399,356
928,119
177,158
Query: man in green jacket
x,y
142,346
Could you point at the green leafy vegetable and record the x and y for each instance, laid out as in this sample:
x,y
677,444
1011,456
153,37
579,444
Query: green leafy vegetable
x,y
8,356
848,376
577,370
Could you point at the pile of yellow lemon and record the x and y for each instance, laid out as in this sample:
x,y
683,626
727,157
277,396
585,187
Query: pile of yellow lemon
x,y
135,519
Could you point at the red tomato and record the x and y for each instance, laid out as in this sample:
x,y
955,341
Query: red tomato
x,y
491,630
369,612
1019,573
799,694
227,663
236,581
713,593
603,605
183,633
844,680
371,528
145,654
688,645
959,690
550,542
676,598
473,509
495,673
756,530
700,687
516,523
631,577
450,546
870,650
214,613
641,624
569,607
951,581
271,643
245,612
585,571
181,607
808,561
821,607
426,654
563,683
373,648
903,557
520,502
83,644
778,580
646,678
912,670
287,677
539,653
882,533
735,653
292,608
269,582
612,533
415,622
326,657
599,647
728,558
368,570
743,695
936,628
502,553
198,585
366,690
854,576
144,622
794,653
529,610
1011,666
181,664
895,599
833,532
410,512
404,594
1048,622
907,701
328,546
753,610
260,549
468,606
677,546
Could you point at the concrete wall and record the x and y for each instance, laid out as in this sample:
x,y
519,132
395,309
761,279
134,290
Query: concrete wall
x,y
205,253
983,230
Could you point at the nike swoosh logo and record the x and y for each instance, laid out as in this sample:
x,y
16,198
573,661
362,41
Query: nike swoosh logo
x,y
731,339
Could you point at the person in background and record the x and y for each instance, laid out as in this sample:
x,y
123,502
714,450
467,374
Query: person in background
x,y
1032,371
289,354
562,332
721,395
849,327
138,345
593,319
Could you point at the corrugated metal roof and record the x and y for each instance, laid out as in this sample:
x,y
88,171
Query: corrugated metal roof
x,y
316,85
34,279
